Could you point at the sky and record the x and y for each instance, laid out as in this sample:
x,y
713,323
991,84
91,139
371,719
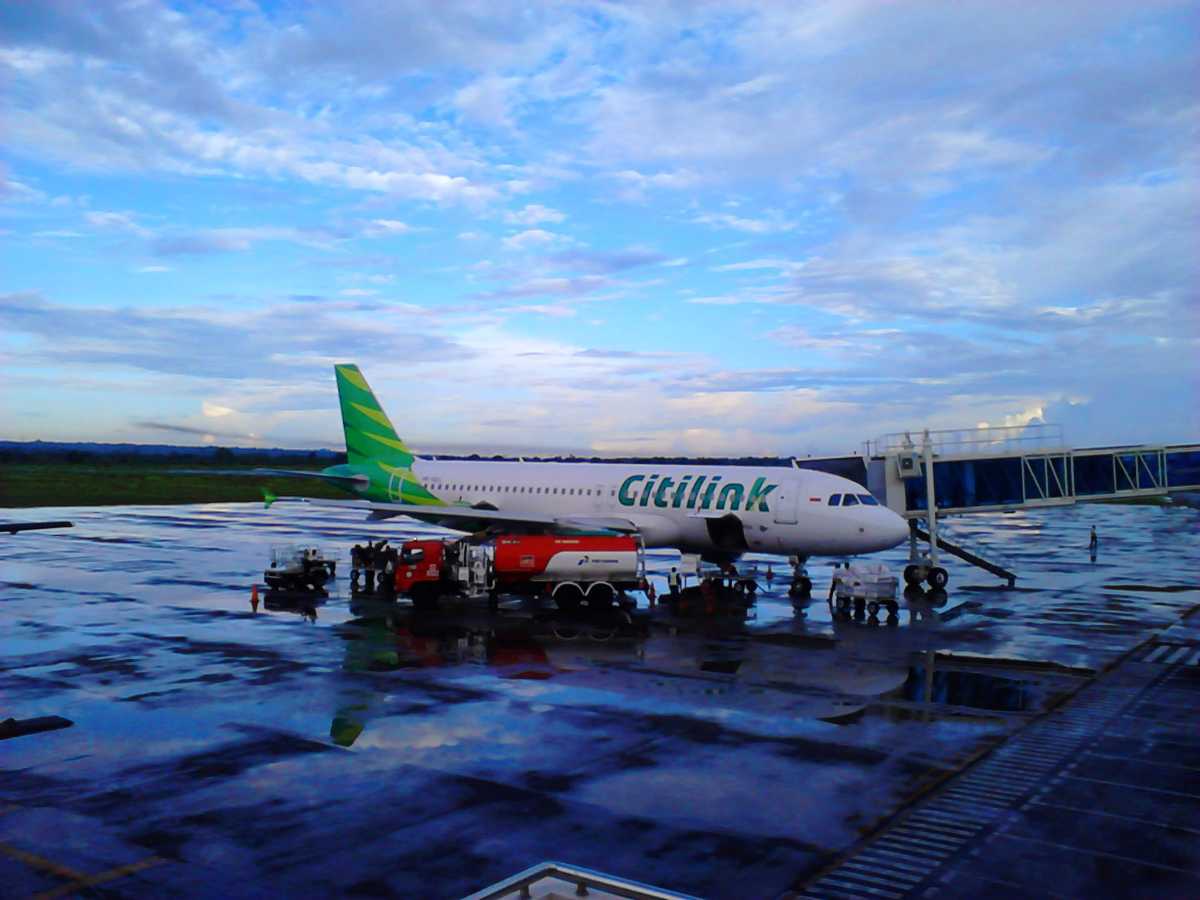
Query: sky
x,y
611,228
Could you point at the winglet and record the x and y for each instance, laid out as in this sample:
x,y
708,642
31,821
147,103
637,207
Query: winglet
x,y
268,498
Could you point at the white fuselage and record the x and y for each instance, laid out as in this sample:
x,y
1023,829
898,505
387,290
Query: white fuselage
x,y
698,509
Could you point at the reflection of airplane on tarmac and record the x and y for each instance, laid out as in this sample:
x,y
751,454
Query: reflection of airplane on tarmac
x,y
719,511
654,671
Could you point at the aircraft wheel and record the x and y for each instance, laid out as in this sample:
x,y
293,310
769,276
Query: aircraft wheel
x,y
873,609
801,587
937,578
912,574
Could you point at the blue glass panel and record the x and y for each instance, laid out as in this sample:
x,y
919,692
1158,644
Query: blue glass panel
x,y
1061,487
968,483
1149,473
1183,467
1126,471
849,500
1093,475
835,500
867,500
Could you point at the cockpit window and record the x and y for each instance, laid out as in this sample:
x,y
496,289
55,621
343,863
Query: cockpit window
x,y
868,500
850,500
835,500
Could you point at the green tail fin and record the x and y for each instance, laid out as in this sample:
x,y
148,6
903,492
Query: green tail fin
x,y
370,436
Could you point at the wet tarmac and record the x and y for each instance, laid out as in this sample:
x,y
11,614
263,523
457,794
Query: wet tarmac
x,y
357,747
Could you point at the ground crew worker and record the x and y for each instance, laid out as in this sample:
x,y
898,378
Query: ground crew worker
x,y
369,567
651,594
673,582
1094,542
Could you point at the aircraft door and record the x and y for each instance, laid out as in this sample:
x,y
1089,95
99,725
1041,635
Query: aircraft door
x,y
393,490
787,501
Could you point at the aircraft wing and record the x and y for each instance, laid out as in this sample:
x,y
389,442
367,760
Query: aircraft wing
x,y
470,518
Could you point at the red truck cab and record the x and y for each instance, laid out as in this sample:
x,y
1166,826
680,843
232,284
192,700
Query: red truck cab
x,y
420,563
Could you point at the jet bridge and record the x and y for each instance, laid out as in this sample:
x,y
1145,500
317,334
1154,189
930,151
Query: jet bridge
x,y
955,472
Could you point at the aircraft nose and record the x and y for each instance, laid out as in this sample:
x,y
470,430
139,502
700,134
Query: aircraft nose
x,y
895,528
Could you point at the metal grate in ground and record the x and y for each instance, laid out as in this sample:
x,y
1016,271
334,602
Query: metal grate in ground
x,y
1108,780
1171,654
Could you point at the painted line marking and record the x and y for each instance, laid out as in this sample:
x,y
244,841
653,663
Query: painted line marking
x,y
1154,654
1086,851
1134,759
87,881
41,863
1112,815
1134,787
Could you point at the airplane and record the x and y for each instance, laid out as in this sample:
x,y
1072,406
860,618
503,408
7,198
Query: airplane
x,y
718,512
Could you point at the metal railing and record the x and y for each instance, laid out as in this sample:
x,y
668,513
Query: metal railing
x,y
972,441
581,879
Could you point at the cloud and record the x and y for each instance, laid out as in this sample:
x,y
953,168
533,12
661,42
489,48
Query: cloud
x,y
750,226
274,341
531,237
534,214
117,221
488,101
385,228
606,261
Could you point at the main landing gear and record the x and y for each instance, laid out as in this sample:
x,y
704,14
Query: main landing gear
x,y
935,576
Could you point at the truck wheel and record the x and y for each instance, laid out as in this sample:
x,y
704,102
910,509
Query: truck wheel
x,y
600,596
568,598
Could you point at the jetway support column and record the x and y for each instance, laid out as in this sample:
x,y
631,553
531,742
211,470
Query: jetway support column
x,y
930,499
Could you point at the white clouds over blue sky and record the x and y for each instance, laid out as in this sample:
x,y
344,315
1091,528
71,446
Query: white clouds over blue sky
x,y
719,227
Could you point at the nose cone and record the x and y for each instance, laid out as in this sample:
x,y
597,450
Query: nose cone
x,y
894,529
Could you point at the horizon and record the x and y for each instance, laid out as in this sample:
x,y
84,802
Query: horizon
x,y
620,230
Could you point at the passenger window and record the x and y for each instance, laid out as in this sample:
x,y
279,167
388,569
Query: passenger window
x,y
850,500
835,500
868,500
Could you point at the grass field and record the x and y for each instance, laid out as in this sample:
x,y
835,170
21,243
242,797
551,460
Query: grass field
x,y
98,484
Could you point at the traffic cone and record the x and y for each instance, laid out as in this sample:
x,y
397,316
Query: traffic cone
x,y
254,597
